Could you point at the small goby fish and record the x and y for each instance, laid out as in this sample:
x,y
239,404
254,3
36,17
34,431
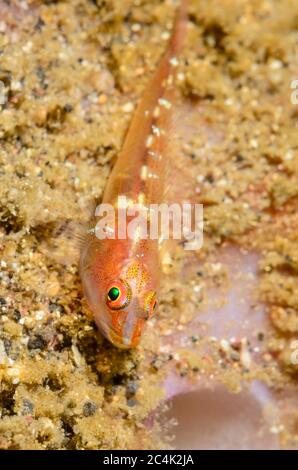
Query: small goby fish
x,y
120,277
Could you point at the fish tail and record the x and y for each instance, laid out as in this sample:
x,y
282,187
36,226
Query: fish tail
x,y
179,29
141,126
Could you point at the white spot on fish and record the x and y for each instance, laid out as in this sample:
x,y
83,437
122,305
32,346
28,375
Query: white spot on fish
x,y
156,112
165,103
149,141
155,155
153,175
156,131
174,61
144,172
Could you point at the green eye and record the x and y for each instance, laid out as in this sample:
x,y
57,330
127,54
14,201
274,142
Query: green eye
x,y
113,294
118,294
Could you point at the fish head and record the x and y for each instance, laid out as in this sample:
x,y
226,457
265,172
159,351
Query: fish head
x,y
122,291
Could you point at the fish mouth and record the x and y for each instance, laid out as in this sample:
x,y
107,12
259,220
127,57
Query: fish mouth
x,y
122,342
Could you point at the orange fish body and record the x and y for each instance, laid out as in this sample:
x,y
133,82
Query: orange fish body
x,y
121,276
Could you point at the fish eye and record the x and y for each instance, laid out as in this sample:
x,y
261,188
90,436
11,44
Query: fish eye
x,y
118,295
113,294
150,304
